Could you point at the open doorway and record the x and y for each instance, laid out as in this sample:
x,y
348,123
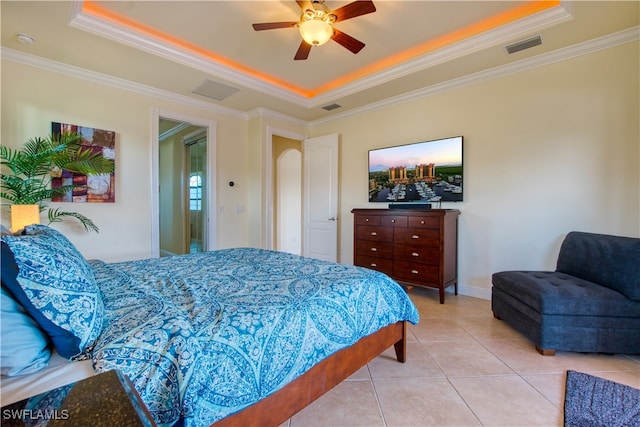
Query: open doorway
x,y
317,206
287,195
184,175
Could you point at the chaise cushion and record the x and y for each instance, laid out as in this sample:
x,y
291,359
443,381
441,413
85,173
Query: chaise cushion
x,y
610,261
555,293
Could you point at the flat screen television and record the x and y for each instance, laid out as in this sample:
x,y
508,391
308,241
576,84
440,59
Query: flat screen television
x,y
421,172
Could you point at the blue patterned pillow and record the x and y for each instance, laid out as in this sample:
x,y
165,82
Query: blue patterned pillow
x,y
56,286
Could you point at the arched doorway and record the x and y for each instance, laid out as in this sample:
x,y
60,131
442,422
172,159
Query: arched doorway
x,y
287,201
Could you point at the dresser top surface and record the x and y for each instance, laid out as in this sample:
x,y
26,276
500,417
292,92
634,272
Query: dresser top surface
x,y
406,212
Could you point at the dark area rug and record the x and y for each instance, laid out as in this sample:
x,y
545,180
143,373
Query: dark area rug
x,y
591,401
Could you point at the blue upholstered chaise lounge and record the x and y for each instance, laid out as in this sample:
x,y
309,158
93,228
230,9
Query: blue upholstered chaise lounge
x,y
590,303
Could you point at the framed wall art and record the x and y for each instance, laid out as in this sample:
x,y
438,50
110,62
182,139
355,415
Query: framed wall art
x,y
98,188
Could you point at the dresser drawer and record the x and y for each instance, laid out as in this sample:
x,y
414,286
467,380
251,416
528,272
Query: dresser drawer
x,y
394,221
367,220
424,222
380,264
374,249
376,234
419,254
413,272
417,248
417,236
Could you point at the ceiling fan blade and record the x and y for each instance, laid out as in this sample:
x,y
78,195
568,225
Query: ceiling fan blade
x,y
351,10
274,25
354,45
304,4
303,51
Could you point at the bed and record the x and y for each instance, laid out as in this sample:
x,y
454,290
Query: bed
x,y
239,336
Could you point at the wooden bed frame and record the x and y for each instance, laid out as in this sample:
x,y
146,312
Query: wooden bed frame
x,y
278,407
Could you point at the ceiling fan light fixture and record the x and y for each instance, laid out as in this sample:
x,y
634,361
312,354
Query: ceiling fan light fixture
x,y
316,25
316,32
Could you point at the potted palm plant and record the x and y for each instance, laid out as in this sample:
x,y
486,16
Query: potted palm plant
x,y
27,173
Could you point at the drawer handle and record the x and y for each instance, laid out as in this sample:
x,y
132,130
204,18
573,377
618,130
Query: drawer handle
x,y
373,233
374,249
373,264
414,271
422,222
366,220
415,236
393,220
415,254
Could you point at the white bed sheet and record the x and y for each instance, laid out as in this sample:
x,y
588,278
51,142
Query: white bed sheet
x,y
58,372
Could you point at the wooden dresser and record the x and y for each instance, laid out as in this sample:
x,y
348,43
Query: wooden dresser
x,y
415,247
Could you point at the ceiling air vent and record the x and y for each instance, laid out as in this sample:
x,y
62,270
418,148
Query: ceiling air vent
x,y
331,107
215,90
523,44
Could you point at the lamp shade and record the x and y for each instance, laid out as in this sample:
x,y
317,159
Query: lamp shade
x,y
23,215
316,31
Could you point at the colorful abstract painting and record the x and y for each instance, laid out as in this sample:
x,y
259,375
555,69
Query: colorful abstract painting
x,y
95,188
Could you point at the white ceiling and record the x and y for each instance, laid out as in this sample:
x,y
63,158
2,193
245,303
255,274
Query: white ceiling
x,y
175,46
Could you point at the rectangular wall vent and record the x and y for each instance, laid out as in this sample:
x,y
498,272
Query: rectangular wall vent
x,y
215,90
331,107
523,44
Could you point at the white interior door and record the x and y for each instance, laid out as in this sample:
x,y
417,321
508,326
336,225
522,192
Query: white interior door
x,y
320,197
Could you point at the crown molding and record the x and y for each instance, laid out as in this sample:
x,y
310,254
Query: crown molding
x,y
626,36
174,130
115,82
124,35
605,42
107,80
526,26
267,113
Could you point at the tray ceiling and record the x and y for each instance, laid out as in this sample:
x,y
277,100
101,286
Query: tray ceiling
x,y
178,46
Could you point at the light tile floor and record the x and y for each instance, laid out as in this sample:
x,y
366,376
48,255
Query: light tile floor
x,y
464,368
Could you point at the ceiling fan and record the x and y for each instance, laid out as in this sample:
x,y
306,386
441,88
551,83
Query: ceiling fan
x,y
316,25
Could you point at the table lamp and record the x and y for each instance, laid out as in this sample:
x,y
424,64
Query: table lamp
x,y
23,215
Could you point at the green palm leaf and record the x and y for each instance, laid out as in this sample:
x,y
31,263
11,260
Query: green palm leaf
x,y
29,179
56,215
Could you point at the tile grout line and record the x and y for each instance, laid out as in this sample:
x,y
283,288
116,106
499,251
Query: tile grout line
x,y
375,393
515,372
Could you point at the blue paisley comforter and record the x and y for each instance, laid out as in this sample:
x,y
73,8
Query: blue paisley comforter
x,y
202,336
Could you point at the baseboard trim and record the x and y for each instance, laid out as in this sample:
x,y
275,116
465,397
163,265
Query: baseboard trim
x,y
472,291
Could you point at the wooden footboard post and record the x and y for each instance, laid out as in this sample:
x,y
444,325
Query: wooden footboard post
x,y
401,346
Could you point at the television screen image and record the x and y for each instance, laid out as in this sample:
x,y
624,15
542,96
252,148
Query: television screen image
x,y
422,172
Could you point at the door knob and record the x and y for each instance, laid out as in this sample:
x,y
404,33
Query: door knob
x,y
333,218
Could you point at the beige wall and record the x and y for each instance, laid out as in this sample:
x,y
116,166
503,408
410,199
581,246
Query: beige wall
x,y
546,151
32,98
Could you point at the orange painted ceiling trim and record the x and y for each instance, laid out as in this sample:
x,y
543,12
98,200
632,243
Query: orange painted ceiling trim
x,y
511,15
518,12
91,8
